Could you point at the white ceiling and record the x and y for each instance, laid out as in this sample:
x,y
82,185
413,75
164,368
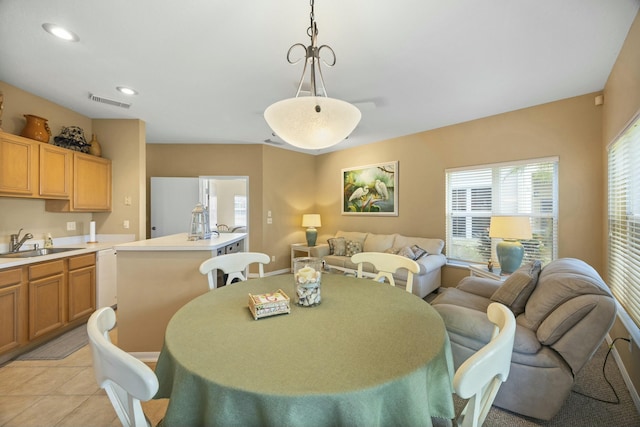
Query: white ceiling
x,y
205,70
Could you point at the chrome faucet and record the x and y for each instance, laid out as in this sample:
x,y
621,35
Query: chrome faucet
x,y
16,242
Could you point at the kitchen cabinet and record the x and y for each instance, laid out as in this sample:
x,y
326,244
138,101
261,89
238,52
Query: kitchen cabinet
x,y
41,300
55,172
18,166
91,186
13,309
46,297
81,295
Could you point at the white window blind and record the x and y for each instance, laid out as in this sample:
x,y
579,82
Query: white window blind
x,y
527,188
240,210
624,219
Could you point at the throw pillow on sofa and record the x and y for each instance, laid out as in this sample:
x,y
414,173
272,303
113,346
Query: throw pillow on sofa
x,y
406,252
353,247
516,290
418,252
332,244
340,246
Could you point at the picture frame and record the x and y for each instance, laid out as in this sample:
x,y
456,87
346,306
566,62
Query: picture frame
x,y
370,190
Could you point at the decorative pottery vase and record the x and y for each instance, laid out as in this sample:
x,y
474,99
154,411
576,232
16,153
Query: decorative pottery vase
x,y
36,128
95,149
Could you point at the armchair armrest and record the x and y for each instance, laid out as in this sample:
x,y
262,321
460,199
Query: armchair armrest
x,y
320,251
480,286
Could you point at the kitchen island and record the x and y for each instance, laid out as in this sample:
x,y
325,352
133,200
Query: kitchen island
x,y
158,276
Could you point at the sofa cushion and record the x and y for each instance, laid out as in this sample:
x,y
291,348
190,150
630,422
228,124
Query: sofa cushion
x,y
515,291
353,248
560,281
378,242
433,246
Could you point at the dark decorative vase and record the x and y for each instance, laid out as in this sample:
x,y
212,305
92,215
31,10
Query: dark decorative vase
x,y
36,128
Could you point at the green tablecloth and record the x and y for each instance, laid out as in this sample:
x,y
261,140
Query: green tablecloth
x,y
369,355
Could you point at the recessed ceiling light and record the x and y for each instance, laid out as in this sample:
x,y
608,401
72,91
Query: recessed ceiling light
x,y
127,90
61,32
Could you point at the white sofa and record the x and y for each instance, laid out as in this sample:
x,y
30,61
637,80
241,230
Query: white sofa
x,y
425,282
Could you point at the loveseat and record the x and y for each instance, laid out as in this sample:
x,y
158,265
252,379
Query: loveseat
x,y
426,252
563,313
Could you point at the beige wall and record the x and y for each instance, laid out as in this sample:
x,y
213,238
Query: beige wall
x,y
621,104
569,129
123,141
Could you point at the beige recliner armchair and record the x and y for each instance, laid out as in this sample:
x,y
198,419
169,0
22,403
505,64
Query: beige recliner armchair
x,y
563,314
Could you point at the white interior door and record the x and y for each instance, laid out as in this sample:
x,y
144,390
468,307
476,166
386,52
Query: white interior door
x,y
172,200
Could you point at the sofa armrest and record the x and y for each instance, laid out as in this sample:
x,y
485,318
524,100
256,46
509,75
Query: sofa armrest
x,y
481,286
320,251
431,263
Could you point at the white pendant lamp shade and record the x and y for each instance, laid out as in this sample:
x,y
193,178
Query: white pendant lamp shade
x,y
298,122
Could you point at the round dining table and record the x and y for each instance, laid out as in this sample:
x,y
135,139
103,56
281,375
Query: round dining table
x,y
369,355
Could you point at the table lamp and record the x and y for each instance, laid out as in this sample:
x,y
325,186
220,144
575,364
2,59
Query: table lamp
x,y
311,221
510,251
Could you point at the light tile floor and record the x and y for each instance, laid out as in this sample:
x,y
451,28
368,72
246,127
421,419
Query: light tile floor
x,y
61,393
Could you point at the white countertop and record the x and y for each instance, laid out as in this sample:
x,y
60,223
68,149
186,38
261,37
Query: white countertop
x,y
179,242
105,241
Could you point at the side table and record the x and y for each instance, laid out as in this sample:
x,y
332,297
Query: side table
x,y
299,247
480,270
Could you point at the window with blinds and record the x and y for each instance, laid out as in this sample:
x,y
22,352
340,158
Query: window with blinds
x,y
624,219
527,188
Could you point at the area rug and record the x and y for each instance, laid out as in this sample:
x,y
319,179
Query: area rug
x,y
60,347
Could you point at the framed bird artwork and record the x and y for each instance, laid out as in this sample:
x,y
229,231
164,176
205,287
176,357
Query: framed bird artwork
x,y
370,189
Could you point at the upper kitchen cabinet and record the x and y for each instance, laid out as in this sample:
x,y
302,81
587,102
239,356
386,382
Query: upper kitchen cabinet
x,y
91,184
18,166
55,171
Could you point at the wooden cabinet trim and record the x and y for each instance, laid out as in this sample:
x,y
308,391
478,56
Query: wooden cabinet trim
x,y
80,261
44,269
10,277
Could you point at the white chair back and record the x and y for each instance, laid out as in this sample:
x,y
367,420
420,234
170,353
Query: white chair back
x,y
481,375
386,265
234,265
127,380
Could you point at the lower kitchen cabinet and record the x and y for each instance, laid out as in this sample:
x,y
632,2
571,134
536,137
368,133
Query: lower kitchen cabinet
x,y
13,309
82,286
41,300
46,297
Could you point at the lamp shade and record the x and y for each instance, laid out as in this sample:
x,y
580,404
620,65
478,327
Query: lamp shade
x,y
510,227
311,220
312,122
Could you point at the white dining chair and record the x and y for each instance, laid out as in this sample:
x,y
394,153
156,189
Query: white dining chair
x,y
234,265
386,265
481,375
127,380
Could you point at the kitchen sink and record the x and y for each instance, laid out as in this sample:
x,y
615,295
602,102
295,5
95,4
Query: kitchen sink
x,y
36,252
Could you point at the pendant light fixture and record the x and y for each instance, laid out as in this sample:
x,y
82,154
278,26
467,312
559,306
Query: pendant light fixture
x,y
315,121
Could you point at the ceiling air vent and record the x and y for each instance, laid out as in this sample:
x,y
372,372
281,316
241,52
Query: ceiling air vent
x,y
108,101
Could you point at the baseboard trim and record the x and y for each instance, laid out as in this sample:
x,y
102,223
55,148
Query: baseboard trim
x,y
625,375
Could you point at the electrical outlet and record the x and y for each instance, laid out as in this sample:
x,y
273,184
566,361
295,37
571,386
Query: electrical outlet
x,y
125,223
273,258
71,225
